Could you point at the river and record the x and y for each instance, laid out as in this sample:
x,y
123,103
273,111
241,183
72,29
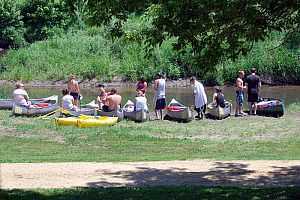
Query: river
x,y
289,94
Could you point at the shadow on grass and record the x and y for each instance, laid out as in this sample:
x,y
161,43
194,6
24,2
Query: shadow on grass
x,y
178,183
157,193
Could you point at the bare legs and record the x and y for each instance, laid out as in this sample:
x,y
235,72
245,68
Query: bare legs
x,y
252,108
159,114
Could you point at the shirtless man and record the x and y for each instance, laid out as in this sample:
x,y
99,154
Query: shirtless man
x,y
240,94
113,101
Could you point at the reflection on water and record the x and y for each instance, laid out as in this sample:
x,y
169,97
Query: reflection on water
x,y
290,94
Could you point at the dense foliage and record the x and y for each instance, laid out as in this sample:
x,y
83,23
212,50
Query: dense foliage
x,y
11,25
211,39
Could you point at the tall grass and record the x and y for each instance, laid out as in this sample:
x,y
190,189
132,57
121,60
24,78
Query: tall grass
x,y
94,53
89,54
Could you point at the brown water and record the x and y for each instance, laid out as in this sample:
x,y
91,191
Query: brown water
x,y
289,94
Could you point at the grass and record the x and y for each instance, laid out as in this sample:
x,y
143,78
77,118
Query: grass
x,y
163,193
249,138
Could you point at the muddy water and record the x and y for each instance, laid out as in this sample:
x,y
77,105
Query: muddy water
x,y
289,94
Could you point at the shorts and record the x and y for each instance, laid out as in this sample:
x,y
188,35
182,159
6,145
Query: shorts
x,y
239,98
160,104
106,108
75,95
253,97
202,109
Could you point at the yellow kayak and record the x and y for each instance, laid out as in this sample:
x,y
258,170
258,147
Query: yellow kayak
x,y
87,121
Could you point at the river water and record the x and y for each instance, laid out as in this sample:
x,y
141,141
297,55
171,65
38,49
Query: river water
x,y
289,94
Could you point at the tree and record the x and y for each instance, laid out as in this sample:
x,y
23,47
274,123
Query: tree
x,y
215,29
220,28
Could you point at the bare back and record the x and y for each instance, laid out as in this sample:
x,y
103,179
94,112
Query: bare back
x,y
114,101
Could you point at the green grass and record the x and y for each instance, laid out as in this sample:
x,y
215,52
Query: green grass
x,y
249,138
157,193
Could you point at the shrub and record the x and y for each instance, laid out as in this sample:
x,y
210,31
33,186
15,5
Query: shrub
x,y
41,16
11,25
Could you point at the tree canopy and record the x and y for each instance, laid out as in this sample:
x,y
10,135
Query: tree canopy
x,y
214,28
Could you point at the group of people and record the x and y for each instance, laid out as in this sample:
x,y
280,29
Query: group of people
x,y
110,100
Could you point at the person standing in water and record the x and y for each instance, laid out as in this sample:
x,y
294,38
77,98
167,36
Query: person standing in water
x,y
239,90
160,89
73,88
200,97
254,84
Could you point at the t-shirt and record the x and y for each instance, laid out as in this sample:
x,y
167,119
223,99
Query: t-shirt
x,y
67,102
19,97
253,83
141,104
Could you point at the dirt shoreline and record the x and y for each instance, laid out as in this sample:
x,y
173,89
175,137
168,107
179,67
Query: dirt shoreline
x,y
181,83
260,173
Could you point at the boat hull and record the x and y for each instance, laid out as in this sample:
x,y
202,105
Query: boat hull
x,y
87,121
137,116
184,115
217,112
270,107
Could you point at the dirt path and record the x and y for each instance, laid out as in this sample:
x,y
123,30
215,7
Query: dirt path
x,y
197,172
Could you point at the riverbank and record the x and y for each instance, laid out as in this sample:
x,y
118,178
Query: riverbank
x,y
248,138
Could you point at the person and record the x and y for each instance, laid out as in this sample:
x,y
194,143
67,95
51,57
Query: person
x,y
20,95
218,97
141,102
73,88
101,98
142,85
239,90
160,89
68,101
112,102
200,97
254,84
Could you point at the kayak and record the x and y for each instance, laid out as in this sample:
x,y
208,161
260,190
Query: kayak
x,y
87,121
217,112
178,112
38,109
270,107
131,114
87,109
7,104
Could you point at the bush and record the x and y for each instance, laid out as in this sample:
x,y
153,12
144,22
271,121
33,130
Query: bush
x,y
11,25
41,16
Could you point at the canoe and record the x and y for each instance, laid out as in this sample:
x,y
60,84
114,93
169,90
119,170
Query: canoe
x,y
178,112
87,121
37,109
117,113
217,112
270,107
87,109
137,116
7,104
131,114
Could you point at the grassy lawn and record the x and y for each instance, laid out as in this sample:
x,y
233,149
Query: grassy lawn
x,y
163,193
248,138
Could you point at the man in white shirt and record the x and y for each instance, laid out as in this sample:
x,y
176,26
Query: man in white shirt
x,y
20,95
200,97
160,89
